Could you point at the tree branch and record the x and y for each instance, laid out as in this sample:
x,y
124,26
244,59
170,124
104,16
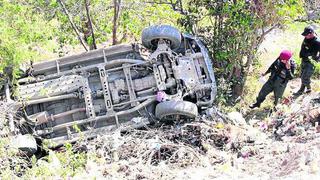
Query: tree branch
x,y
264,33
72,24
90,24
116,16
176,6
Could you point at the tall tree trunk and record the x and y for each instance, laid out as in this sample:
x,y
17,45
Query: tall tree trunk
x,y
92,44
116,16
72,24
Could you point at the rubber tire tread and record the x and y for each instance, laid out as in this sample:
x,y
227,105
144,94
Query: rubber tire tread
x,y
185,108
161,32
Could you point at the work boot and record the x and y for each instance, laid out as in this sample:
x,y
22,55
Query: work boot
x,y
254,105
308,89
272,110
300,91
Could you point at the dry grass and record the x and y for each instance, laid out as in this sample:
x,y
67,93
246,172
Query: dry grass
x,y
204,149
289,38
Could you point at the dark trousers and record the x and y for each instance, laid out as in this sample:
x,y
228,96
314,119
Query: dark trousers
x,y
307,69
277,85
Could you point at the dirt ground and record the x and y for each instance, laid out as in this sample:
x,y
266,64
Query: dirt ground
x,y
207,149
283,144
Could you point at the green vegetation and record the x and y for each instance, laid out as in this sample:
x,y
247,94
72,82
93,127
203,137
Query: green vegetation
x,y
25,35
288,38
233,31
58,164
33,30
37,30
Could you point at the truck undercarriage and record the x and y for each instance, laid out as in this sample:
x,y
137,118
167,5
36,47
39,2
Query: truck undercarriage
x,y
169,77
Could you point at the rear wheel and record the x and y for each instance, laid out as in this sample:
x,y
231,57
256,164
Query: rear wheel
x,y
174,110
151,35
25,143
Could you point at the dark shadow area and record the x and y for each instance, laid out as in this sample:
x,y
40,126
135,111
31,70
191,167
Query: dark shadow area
x,y
258,113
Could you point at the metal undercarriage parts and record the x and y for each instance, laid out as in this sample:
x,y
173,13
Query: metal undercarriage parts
x,y
94,92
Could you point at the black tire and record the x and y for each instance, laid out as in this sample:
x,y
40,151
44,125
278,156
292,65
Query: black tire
x,y
26,143
151,34
181,108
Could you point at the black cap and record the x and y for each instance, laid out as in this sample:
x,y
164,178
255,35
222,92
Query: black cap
x,y
307,30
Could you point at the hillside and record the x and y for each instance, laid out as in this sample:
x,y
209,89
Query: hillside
x,y
286,145
156,89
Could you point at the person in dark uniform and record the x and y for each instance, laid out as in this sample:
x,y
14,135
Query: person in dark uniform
x,y
310,48
282,70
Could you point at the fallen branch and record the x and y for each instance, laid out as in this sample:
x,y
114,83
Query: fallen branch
x,y
72,24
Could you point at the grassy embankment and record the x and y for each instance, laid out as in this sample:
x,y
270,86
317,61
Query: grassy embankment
x,y
289,38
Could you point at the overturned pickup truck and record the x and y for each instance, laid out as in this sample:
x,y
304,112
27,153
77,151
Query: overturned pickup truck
x,y
169,77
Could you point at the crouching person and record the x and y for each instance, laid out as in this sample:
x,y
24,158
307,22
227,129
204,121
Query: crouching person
x,y
282,70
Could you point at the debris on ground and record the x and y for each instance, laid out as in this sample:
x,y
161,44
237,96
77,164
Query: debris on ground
x,y
285,145
299,118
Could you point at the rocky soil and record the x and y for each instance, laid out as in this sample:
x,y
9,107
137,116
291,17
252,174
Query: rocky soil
x,y
286,145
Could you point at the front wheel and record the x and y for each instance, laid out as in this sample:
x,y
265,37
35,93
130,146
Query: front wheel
x,y
174,110
26,144
151,35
